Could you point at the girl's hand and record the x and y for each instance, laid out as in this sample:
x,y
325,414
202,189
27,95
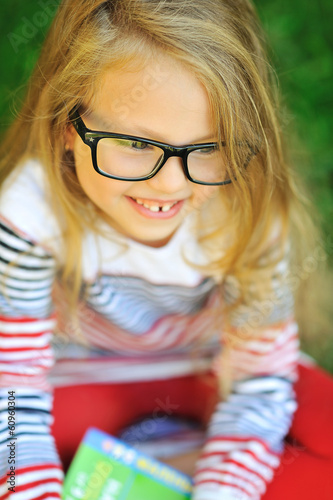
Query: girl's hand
x,y
184,462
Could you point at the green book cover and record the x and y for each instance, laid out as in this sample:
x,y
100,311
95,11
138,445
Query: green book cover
x,y
105,468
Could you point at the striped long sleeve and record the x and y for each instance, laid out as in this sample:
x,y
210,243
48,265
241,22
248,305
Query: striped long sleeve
x,y
246,432
29,464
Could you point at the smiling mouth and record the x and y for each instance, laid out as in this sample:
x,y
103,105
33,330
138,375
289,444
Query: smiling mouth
x,y
154,206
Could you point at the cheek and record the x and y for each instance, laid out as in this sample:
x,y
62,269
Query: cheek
x,y
91,182
101,190
201,194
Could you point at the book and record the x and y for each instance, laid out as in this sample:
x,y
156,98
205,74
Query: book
x,y
106,468
165,436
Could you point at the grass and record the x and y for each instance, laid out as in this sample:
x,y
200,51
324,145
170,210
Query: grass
x,y
300,40
300,36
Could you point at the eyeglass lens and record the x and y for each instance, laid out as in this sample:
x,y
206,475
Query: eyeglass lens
x,y
131,159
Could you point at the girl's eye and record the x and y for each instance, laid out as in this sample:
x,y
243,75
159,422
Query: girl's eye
x,y
207,151
139,145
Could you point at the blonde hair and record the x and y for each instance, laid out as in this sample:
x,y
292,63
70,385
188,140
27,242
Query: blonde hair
x,y
221,43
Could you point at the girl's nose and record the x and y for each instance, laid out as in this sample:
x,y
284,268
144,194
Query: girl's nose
x,y
171,178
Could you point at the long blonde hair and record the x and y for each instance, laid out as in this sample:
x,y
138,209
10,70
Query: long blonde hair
x,y
221,43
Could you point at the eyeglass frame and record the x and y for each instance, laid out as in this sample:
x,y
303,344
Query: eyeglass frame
x,y
92,137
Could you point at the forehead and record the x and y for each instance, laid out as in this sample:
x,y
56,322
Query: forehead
x,y
161,96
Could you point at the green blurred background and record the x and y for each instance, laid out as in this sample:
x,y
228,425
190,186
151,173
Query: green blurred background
x,y
300,39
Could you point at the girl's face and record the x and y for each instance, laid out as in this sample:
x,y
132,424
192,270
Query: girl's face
x,y
164,102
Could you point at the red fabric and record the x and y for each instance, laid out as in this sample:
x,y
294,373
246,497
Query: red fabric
x,y
306,470
313,422
111,407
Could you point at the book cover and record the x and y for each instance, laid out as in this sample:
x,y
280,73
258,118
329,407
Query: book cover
x,y
105,468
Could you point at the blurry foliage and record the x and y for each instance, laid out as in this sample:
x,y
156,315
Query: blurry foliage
x,y
301,41
300,38
23,26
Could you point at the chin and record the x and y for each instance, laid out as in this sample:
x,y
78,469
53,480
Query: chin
x,y
154,240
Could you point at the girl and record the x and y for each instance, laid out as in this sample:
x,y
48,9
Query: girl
x,y
148,221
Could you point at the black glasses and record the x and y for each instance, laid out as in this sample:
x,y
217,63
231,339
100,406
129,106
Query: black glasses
x,y
131,158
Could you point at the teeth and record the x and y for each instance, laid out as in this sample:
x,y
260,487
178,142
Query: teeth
x,y
166,208
155,208
152,208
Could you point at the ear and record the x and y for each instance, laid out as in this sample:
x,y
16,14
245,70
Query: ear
x,y
70,135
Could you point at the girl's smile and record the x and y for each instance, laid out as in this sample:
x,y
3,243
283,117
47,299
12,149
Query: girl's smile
x,y
174,111
161,209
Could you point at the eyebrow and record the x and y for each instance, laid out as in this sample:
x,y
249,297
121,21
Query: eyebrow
x,y
143,132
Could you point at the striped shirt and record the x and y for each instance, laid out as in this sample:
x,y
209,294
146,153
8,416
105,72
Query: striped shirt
x,y
144,308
